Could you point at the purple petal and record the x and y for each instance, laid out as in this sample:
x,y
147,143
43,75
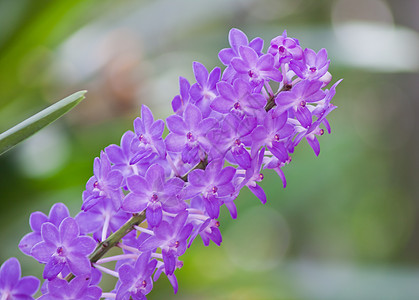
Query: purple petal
x,y
193,116
221,105
115,154
197,178
134,203
28,285
315,145
153,242
69,230
43,251
259,192
175,142
9,273
79,264
50,233
36,220
201,73
226,55
176,125
154,215
146,117
237,38
239,65
84,245
137,184
156,130
213,78
58,213
54,266
226,175
126,273
28,241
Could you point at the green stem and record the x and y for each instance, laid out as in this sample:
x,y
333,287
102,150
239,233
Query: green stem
x,y
113,239
271,102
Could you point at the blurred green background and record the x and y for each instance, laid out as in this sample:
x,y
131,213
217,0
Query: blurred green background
x,y
346,226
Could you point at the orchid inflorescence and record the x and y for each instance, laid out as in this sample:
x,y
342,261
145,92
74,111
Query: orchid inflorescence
x,y
152,196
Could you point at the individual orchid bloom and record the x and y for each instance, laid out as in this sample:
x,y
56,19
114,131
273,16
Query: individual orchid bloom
x,y
121,156
238,99
171,238
228,139
284,49
154,194
274,131
188,134
101,220
104,185
204,90
297,99
78,288
313,66
63,246
148,142
57,213
180,101
214,183
236,39
136,280
258,69
12,285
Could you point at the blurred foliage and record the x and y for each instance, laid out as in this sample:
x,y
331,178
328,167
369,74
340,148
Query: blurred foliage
x,y
347,224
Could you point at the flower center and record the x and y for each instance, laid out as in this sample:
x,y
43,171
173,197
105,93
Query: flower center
x,y
214,189
303,103
236,105
177,243
281,49
276,137
313,69
261,176
60,251
154,198
237,142
189,136
217,223
321,131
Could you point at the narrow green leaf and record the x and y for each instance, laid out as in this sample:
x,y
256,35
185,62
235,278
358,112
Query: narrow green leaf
x,y
21,131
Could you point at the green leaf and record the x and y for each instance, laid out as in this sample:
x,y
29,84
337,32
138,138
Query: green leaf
x,y
21,131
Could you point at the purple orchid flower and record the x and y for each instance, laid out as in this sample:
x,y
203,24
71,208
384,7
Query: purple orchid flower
x,y
154,194
101,220
78,288
296,100
239,99
313,66
228,139
136,280
171,238
104,185
214,183
284,49
204,90
258,69
63,246
121,157
57,213
188,135
274,131
12,286
148,142
237,38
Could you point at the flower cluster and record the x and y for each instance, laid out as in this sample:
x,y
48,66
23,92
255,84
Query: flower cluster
x,y
227,127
